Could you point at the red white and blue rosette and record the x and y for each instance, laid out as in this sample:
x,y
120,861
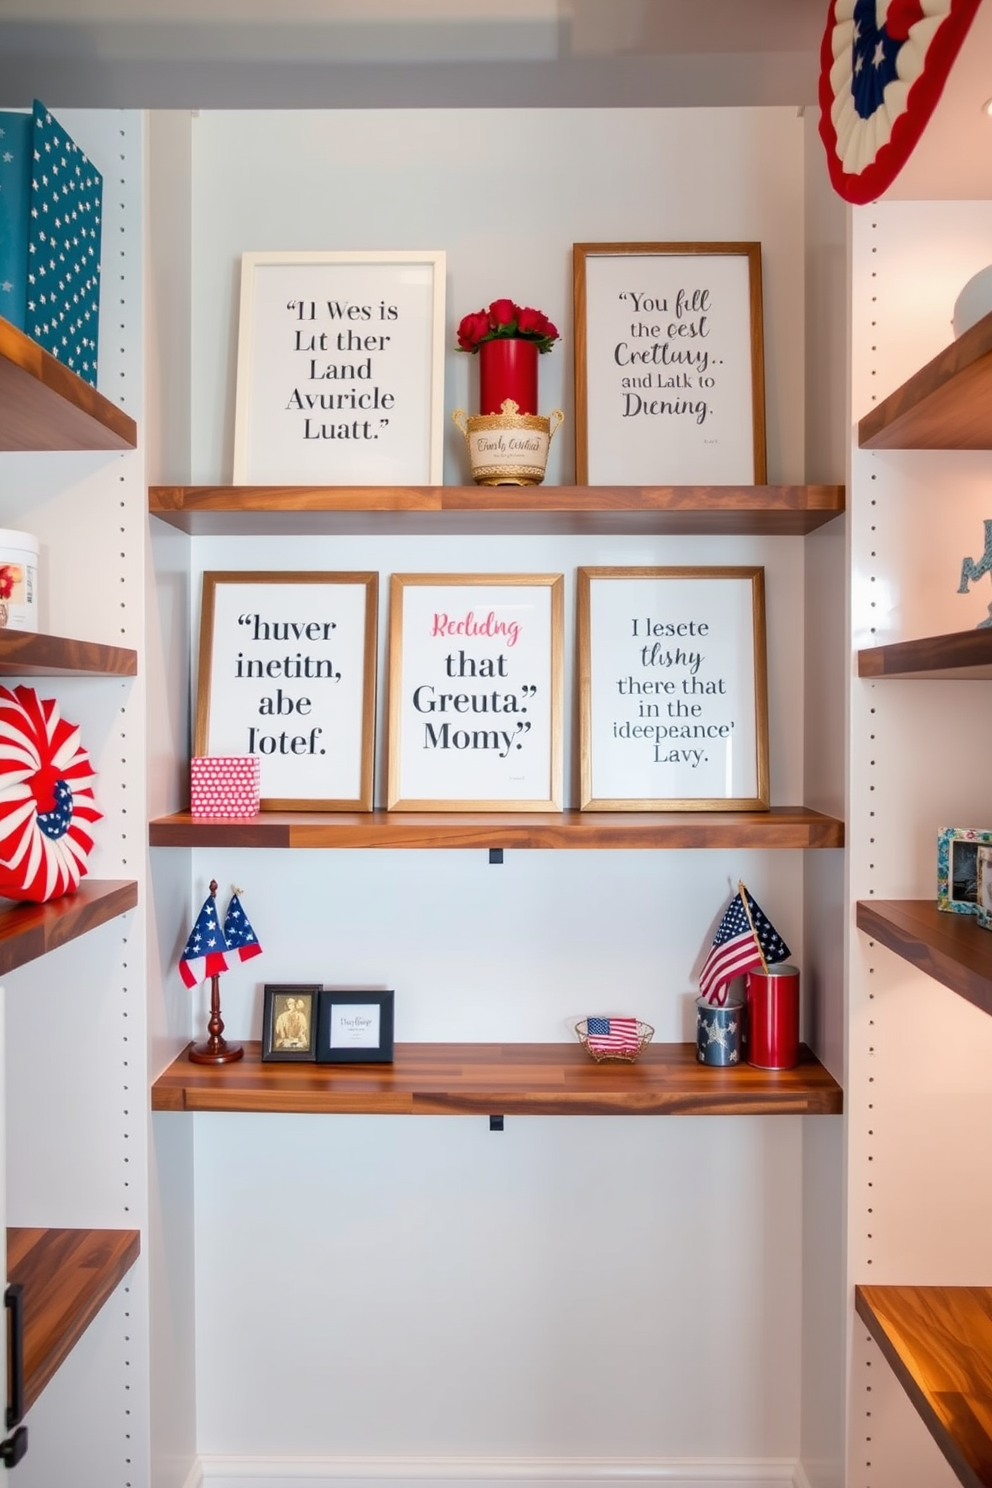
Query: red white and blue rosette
x,y
883,67
46,799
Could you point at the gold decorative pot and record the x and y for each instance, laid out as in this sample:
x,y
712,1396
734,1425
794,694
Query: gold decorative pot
x,y
508,448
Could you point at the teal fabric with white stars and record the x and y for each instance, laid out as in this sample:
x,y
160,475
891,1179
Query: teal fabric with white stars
x,y
50,265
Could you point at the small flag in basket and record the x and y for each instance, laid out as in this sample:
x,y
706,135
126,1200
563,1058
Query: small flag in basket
x,y
238,933
746,939
612,1035
210,948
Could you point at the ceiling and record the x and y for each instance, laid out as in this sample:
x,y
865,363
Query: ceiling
x,y
467,53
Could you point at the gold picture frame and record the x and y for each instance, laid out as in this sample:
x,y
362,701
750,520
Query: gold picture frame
x,y
475,692
668,346
673,689
287,670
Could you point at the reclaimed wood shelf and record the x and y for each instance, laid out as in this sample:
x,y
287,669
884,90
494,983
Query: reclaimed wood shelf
x,y
951,948
946,405
28,653
28,931
45,406
938,1341
531,510
504,1080
964,655
781,827
67,1276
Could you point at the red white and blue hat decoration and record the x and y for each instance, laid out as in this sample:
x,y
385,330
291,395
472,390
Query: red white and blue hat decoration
x,y
46,799
883,66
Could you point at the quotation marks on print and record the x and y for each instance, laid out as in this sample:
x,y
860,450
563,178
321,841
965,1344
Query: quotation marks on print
x,y
340,395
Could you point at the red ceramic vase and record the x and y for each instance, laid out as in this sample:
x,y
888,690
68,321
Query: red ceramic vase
x,y
508,369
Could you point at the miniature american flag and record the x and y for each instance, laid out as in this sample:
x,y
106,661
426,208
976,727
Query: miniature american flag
x,y
205,953
238,933
612,1035
740,944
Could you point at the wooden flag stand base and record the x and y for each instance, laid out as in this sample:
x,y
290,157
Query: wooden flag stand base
x,y
216,1049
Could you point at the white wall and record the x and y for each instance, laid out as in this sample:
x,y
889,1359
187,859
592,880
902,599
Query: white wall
x,y
445,1284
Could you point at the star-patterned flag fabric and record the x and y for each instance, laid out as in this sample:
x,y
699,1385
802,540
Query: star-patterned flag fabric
x,y
238,933
736,947
205,953
882,71
51,208
611,1035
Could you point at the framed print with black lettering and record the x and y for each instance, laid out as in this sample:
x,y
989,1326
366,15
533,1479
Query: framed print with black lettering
x,y
287,673
289,1022
475,692
673,694
355,1026
340,369
669,364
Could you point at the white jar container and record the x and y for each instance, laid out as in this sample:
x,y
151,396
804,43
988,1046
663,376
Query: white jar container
x,y
18,580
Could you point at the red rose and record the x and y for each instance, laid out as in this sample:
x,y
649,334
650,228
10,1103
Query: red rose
x,y
472,329
550,331
502,313
531,322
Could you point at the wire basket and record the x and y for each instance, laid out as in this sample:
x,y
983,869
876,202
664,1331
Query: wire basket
x,y
645,1033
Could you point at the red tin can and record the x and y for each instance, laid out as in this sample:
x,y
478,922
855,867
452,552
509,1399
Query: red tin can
x,y
773,1017
508,369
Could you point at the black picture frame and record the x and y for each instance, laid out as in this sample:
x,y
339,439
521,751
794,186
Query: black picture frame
x,y
278,1044
333,1011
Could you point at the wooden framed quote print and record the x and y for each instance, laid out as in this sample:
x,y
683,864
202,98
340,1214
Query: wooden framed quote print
x,y
475,692
673,703
287,673
669,364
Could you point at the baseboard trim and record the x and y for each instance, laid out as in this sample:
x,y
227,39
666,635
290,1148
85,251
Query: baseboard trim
x,y
339,1472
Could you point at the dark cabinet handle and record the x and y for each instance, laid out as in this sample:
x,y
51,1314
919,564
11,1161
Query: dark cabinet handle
x,y
13,1300
14,1448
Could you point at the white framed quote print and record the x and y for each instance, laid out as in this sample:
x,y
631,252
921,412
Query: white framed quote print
x,y
340,369
287,673
673,703
475,692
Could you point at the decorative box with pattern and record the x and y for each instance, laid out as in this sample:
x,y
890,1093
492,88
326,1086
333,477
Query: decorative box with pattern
x,y
51,206
224,784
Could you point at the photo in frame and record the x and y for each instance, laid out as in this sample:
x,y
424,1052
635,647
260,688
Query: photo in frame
x,y
673,690
984,913
287,672
289,1022
669,364
355,1026
957,868
475,692
340,374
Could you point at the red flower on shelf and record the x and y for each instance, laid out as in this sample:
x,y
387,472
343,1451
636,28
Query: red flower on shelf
x,y
9,574
506,321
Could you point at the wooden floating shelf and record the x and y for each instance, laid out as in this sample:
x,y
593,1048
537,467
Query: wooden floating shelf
x,y
25,653
945,405
502,1079
45,406
28,931
938,1341
531,510
964,655
951,948
781,827
67,1276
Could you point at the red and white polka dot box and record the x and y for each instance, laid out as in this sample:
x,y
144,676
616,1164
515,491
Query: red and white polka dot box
x,y
224,784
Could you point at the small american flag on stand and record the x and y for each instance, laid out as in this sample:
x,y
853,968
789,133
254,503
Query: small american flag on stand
x,y
205,953
612,1035
240,937
745,939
